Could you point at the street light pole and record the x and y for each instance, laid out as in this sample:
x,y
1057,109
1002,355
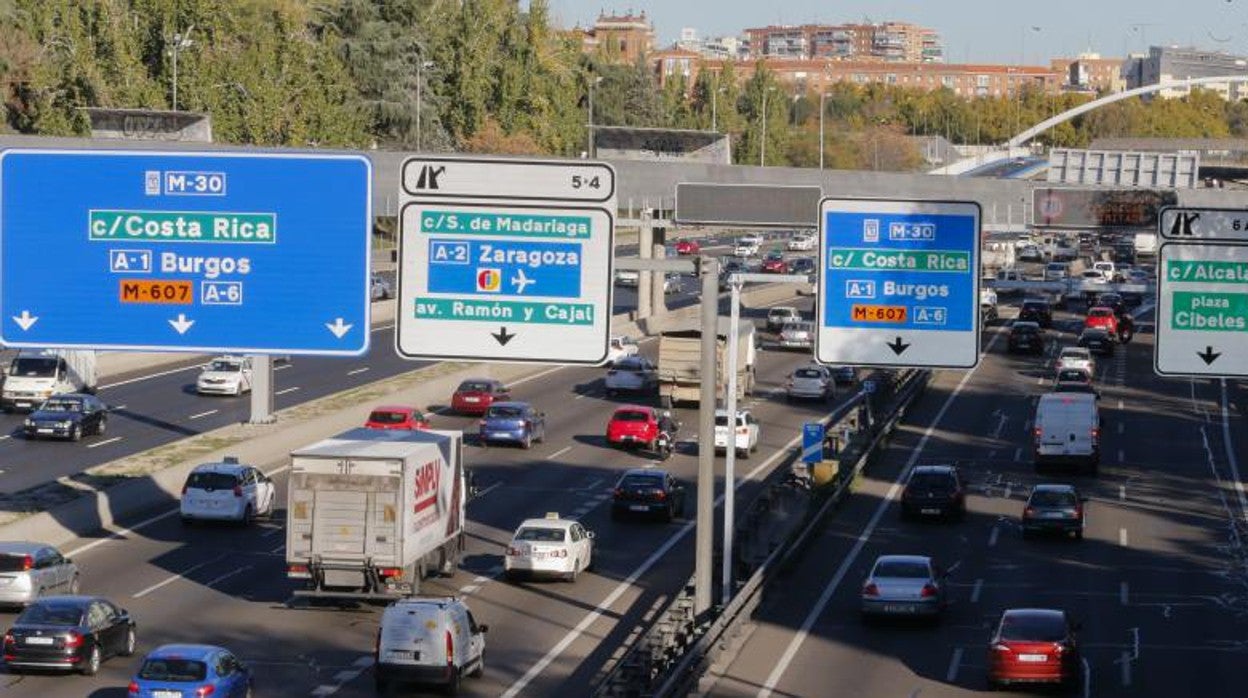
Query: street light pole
x,y
420,82
181,42
822,97
589,138
714,106
762,151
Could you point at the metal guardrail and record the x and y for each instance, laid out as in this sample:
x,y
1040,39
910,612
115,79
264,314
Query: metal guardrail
x,y
1068,287
678,646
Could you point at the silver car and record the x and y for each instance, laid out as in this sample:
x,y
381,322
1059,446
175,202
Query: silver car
x,y
903,585
632,374
379,288
812,382
797,335
31,570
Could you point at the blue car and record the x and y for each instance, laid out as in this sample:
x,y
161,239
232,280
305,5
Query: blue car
x,y
515,422
191,670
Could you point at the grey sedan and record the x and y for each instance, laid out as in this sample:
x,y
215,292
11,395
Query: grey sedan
x,y
31,570
903,585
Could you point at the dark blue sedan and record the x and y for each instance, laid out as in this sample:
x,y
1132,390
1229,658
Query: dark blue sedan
x,y
67,416
191,670
514,422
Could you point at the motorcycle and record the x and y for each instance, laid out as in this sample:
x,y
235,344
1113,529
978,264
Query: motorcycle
x,y
663,446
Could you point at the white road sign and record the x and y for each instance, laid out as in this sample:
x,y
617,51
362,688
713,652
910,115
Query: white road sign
x,y
1202,310
1203,224
525,276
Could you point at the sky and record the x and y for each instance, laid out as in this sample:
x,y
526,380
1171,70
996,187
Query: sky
x,y
974,31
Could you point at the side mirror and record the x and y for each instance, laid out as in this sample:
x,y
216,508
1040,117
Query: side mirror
x,y
483,628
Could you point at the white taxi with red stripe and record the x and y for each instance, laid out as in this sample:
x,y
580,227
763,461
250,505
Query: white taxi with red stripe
x,y
552,546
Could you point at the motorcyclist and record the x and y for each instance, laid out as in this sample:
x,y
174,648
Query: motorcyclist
x,y
1126,328
667,433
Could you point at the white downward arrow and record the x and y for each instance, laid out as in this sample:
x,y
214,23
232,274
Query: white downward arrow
x,y
181,324
339,328
25,320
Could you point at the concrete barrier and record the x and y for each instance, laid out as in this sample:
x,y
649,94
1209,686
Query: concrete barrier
x,y
152,480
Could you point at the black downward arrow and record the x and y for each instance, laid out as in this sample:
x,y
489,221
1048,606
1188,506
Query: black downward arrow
x,y
898,346
502,336
1209,355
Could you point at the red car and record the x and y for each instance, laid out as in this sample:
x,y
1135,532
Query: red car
x,y
1034,645
474,396
1103,317
396,417
775,264
633,425
687,247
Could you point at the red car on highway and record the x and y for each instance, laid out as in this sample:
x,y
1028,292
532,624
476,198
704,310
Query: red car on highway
x,y
475,395
775,263
1103,317
633,425
396,417
687,247
1034,645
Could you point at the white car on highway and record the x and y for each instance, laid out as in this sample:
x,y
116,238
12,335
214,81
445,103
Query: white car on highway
x,y
227,491
746,432
379,288
225,375
813,382
620,347
553,546
745,248
632,374
802,242
1076,357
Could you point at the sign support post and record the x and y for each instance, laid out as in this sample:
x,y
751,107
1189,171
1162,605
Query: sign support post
x,y
704,529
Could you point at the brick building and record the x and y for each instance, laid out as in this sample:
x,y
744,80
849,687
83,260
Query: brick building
x,y
1090,73
618,38
887,41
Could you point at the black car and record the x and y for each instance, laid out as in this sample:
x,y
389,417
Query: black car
x,y
68,632
934,490
67,416
802,265
1037,311
1114,302
1054,508
1026,337
727,268
1097,341
648,491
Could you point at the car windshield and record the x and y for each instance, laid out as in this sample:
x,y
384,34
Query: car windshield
x,y
505,412
1099,312
211,481
1075,354
931,481
474,387
541,535
1052,498
636,482
807,373
1035,307
904,569
1025,329
28,366
630,365
61,406
391,417
51,614
796,327
225,366
1032,628
173,669
631,416
721,420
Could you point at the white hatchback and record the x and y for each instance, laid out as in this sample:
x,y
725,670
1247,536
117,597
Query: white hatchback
x,y
227,491
551,546
746,432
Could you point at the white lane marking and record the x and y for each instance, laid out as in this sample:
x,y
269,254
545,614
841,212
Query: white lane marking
x,y
592,617
1039,380
1126,668
1006,494
558,453
203,414
1018,454
1230,454
170,580
105,442
287,390
6,436
1087,678
468,589
830,588
954,661
1123,596
592,485
227,575
992,537
1122,537
1120,455
996,433
170,372
278,549
1120,404
481,579
118,407
491,488
357,371
976,590
1120,427
272,531
346,675
325,690
581,396
1122,493
122,534
282,367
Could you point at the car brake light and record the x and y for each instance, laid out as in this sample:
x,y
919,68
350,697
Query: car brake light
x,y
73,640
1029,512
205,691
133,688
1078,511
238,490
660,495
1038,432
28,563
929,590
450,649
8,639
390,572
1096,433
871,590
619,492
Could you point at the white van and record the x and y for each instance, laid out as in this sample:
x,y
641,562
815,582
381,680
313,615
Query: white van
x,y
428,640
1068,430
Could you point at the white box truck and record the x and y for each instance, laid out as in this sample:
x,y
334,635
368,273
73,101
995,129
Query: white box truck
x,y
34,375
370,513
1068,430
680,362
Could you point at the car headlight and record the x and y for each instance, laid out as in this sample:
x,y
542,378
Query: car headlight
x,y
30,422
66,424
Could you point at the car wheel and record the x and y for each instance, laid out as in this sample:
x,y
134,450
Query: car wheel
x,y
186,521
669,513
92,664
249,517
75,433
131,642
527,443
452,686
480,670
73,586
1079,534
101,427
571,576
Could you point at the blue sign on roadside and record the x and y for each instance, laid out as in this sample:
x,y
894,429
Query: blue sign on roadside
x,y
812,442
899,283
188,251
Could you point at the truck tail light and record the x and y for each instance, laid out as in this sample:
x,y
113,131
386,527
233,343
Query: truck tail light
x,y
390,572
450,649
298,572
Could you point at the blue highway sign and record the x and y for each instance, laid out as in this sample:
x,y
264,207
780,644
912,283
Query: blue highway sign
x,y
189,251
898,283
812,442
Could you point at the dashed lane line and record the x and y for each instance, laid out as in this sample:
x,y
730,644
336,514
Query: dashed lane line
x,y
287,390
203,414
954,661
105,442
357,371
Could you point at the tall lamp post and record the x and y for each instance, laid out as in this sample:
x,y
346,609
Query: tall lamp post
x,y
589,145
181,42
420,66
822,96
715,105
762,150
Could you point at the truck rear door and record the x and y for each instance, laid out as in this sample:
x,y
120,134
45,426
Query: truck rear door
x,y
345,518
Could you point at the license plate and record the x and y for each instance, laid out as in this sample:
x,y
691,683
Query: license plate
x,y
403,654
499,435
930,511
639,507
165,693
898,608
1054,515
472,399
539,555
40,641
44,431
1033,657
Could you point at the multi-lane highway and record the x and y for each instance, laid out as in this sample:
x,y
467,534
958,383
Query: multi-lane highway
x,y
1158,581
227,585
